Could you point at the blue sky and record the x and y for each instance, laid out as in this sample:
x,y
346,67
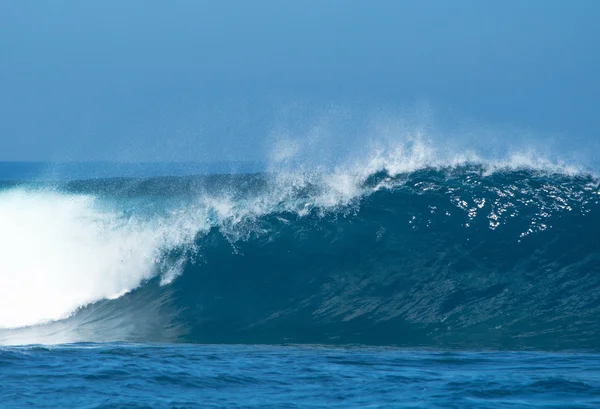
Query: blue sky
x,y
201,81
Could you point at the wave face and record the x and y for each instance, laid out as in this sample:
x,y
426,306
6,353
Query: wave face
x,y
459,256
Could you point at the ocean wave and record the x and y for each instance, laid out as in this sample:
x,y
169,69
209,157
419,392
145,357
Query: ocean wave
x,y
405,249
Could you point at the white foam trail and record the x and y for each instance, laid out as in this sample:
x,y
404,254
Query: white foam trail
x,y
61,252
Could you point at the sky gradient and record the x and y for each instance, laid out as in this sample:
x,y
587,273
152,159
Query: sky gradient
x,y
203,81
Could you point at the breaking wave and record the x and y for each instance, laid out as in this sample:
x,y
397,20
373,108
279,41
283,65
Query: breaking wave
x,y
404,248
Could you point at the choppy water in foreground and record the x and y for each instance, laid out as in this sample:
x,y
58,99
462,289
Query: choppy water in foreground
x,y
206,376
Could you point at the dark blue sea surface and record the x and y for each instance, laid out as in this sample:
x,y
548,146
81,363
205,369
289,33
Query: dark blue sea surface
x,y
180,290
234,376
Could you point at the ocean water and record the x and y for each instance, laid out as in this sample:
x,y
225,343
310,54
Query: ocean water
x,y
209,376
396,282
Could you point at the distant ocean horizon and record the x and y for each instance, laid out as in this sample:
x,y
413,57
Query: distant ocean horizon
x,y
21,171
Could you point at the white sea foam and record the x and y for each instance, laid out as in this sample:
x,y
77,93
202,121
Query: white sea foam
x,y
61,252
